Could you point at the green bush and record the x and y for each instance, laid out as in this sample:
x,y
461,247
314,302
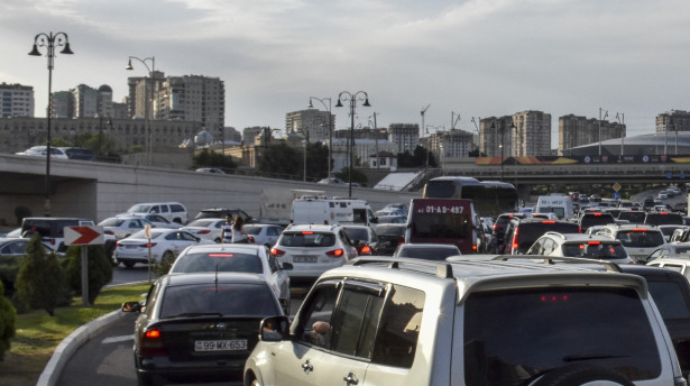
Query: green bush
x,y
8,315
100,270
41,281
162,268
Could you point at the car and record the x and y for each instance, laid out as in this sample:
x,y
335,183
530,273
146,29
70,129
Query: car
x,y
78,153
680,265
522,233
392,219
41,151
579,245
200,326
670,229
210,170
681,251
313,249
498,242
237,258
264,234
158,221
639,240
587,219
633,216
397,321
172,211
663,217
662,195
390,236
122,227
206,228
222,212
427,251
332,181
364,237
163,244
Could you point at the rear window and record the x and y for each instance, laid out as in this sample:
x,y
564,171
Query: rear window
x,y
663,218
530,232
357,234
428,253
177,208
594,250
550,328
225,299
441,226
589,220
307,239
668,296
640,238
220,261
632,216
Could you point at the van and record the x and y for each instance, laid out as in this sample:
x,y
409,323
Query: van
x,y
561,206
172,211
331,211
443,221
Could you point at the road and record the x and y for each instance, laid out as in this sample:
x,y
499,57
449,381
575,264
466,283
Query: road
x,y
107,359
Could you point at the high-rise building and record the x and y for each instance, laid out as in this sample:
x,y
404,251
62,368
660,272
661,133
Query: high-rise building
x,y
193,98
16,100
574,131
63,104
311,121
673,120
495,137
451,143
405,136
86,102
531,134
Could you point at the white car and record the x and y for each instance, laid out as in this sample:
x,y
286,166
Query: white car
x,y
245,258
639,240
206,228
263,234
580,245
122,227
158,221
41,151
313,249
164,243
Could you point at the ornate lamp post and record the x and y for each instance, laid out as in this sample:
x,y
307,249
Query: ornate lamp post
x,y
50,41
147,140
330,128
353,103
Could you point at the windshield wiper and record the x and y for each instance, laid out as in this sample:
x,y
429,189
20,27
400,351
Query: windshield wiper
x,y
574,358
192,314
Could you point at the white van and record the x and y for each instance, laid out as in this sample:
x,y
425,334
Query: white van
x,y
172,211
560,205
331,211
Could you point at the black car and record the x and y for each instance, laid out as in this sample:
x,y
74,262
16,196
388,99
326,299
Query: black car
x,y
497,242
588,219
663,218
521,234
390,236
199,327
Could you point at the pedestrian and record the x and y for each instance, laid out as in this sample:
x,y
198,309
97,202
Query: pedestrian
x,y
238,234
226,230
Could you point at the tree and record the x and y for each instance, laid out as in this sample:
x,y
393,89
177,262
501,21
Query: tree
x,y
100,270
41,280
209,158
8,315
357,176
280,160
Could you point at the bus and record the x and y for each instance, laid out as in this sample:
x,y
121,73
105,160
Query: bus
x,y
442,221
490,198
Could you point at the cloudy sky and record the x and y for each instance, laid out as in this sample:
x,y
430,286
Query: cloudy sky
x,y
476,58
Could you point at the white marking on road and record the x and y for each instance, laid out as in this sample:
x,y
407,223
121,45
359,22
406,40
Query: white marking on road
x,y
117,339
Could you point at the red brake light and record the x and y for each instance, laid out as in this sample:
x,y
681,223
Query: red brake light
x,y
277,252
548,222
150,245
335,253
554,298
220,255
251,239
663,213
515,238
597,214
474,248
151,344
365,249
152,334
204,232
639,230
593,242
307,233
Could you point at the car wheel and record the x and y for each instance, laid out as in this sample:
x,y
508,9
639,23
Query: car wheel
x,y
128,264
581,374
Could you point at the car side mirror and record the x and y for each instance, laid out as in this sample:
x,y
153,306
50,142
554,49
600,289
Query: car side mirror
x,y
274,328
131,307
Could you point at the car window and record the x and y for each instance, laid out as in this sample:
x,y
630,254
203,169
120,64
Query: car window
x,y
428,253
177,208
186,236
357,234
220,261
252,230
165,209
308,239
504,351
594,250
669,298
315,320
355,320
640,238
135,224
226,299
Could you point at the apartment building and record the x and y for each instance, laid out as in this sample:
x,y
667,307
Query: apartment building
x,y
16,100
312,123
405,136
574,131
451,143
532,134
495,137
672,121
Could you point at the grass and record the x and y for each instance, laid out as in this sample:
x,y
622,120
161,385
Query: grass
x,y
38,334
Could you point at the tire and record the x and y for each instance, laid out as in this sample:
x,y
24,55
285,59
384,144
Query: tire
x,y
128,264
581,374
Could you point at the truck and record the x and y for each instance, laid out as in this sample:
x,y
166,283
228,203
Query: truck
x,y
560,205
275,206
331,211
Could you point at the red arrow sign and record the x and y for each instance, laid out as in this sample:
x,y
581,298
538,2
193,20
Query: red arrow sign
x,y
83,235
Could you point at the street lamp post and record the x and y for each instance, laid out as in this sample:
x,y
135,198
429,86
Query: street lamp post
x,y
147,139
353,103
50,41
376,140
330,128
474,121
600,119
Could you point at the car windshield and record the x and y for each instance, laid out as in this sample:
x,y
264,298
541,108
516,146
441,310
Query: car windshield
x,y
594,250
596,323
111,222
307,239
139,208
224,299
428,253
217,261
640,238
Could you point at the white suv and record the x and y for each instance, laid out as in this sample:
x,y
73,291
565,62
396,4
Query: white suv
x,y
395,321
639,240
172,211
313,249
580,245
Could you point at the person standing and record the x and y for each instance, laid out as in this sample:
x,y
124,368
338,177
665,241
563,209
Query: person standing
x,y
238,234
226,230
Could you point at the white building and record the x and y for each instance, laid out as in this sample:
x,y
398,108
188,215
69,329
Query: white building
x,y
363,152
16,100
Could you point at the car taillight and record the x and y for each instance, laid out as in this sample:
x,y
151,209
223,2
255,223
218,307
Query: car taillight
x,y
474,248
251,239
149,245
117,244
515,238
335,253
151,344
204,232
593,242
365,249
579,229
401,240
277,252
548,222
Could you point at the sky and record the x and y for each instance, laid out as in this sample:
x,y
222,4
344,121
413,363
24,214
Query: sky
x,y
473,58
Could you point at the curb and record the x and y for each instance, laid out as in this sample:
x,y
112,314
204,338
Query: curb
x,y
64,351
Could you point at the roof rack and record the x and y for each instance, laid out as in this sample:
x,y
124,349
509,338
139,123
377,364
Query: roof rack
x,y
610,267
443,269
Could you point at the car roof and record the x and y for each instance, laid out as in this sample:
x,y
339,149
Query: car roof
x,y
225,247
671,260
316,227
428,245
580,237
212,277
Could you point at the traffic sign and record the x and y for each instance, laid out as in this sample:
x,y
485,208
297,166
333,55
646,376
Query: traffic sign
x,y
84,235
669,175
681,175
616,187
616,196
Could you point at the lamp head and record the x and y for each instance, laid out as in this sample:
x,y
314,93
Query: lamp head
x,y
34,51
67,50
129,66
310,105
339,104
366,103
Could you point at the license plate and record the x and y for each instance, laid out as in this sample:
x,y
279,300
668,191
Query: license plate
x,y
130,246
220,345
304,259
